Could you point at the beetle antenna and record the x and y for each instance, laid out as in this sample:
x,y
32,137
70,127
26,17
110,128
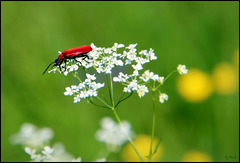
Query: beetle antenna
x,y
48,67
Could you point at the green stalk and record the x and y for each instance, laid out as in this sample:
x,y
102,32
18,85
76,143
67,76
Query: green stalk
x,y
153,127
110,92
98,105
104,102
118,119
78,78
130,140
154,89
121,100
111,87
169,75
113,107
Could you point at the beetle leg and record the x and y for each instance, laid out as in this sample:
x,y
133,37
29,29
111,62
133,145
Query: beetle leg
x,y
60,68
60,65
85,56
77,61
65,65
85,60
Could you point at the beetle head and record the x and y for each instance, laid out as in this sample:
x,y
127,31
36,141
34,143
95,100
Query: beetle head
x,y
57,62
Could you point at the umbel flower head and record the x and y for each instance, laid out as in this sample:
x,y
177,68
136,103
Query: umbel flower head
x,y
112,134
48,154
182,69
85,89
34,141
30,135
104,60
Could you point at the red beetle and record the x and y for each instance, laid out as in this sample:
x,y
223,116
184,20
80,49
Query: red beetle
x,y
71,54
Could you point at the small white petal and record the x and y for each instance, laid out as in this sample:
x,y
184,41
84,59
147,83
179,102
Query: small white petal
x,y
142,90
137,66
126,89
131,46
47,150
29,151
155,77
161,79
65,73
163,97
182,69
91,77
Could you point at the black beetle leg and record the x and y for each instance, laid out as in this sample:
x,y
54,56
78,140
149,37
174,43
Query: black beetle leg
x,y
65,65
60,68
77,61
85,56
60,65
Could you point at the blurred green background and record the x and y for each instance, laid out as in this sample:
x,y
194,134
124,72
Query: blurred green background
x,y
197,34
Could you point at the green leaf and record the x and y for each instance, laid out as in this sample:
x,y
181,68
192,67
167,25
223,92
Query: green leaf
x,y
156,147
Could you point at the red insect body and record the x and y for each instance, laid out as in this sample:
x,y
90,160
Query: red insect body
x,y
76,51
71,54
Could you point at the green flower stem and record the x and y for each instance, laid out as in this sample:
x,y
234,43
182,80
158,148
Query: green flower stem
x,y
78,78
104,102
109,90
130,140
169,75
154,89
113,107
97,104
153,127
121,100
117,117
111,87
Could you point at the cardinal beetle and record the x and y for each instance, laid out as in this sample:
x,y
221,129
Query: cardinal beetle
x,y
71,54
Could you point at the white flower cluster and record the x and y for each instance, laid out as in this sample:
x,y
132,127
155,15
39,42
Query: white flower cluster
x,y
48,154
34,139
30,135
163,97
103,60
136,82
182,69
113,134
85,89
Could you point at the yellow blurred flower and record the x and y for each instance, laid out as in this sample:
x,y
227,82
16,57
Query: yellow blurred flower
x,y
196,86
196,156
142,144
225,78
